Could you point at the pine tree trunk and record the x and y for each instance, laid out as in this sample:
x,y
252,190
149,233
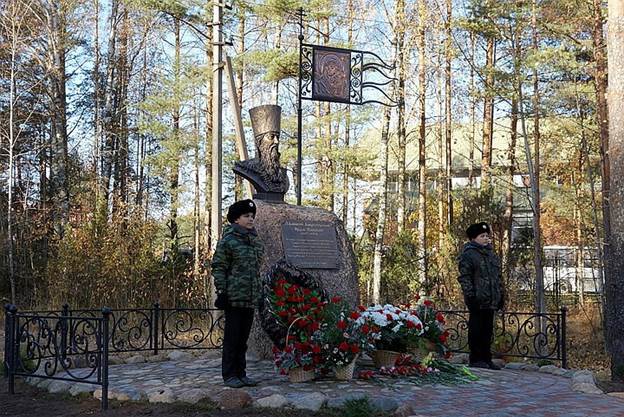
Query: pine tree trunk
x,y
488,116
614,280
208,141
401,63
97,97
441,177
141,145
121,163
382,212
174,173
347,133
59,180
448,114
110,110
196,199
11,147
473,111
422,168
602,120
540,302
509,201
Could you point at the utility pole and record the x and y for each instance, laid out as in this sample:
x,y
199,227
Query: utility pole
x,y
217,128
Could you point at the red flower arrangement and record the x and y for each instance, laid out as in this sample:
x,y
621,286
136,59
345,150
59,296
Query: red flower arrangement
x,y
434,336
343,334
300,310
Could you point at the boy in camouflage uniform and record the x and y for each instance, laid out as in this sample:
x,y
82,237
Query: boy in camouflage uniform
x,y
481,282
236,273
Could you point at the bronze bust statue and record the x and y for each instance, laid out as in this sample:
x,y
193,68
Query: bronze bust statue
x,y
264,171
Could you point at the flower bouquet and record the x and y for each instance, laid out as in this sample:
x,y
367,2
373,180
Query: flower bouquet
x,y
434,336
297,360
300,310
343,335
395,329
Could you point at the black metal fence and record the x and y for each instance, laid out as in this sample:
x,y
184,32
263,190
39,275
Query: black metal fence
x,y
516,334
74,345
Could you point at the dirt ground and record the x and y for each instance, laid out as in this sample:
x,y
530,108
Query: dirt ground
x,y
29,401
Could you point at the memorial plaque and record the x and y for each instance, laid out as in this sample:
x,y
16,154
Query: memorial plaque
x,y
310,244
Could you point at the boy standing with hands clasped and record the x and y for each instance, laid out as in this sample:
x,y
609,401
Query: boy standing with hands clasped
x,y
481,282
236,273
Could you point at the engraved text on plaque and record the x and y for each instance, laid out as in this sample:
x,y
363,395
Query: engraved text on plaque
x,y
310,244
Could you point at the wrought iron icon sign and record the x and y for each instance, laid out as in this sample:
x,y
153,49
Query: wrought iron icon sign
x,y
340,76
336,75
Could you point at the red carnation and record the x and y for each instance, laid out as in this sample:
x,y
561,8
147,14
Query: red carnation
x,y
443,338
316,349
342,324
292,289
440,317
283,313
314,300
344,346
336,299
389,316
355,348
365,329
410,325
428,303
418,326
306,291
354,315
280,292
362,308
314,326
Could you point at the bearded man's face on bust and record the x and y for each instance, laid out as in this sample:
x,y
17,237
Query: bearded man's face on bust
x,y
268,145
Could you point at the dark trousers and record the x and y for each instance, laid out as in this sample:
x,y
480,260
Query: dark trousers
x,y
480,329
237,327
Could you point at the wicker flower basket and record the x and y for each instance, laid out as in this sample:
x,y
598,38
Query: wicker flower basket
x,y
297,375
385,358
345,373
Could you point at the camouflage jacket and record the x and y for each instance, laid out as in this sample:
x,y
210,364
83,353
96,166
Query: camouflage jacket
x,y
480,277
236,266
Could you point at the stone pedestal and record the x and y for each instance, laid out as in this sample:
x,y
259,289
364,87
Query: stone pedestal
x,y
342,281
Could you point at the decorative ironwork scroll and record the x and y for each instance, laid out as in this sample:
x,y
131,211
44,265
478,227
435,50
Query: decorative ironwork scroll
x,y
192,329
525,335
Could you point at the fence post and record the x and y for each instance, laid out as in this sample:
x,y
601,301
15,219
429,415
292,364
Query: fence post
x,y
563,341
155,326
106,313
64,321
7,339
12,344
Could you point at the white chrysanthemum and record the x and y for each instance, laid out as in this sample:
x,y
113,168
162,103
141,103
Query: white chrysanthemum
x,y
397,327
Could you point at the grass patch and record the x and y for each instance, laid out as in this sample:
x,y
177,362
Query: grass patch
x,y
360,407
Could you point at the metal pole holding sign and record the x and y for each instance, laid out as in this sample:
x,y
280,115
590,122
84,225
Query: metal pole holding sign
x,y
299,114
337,75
